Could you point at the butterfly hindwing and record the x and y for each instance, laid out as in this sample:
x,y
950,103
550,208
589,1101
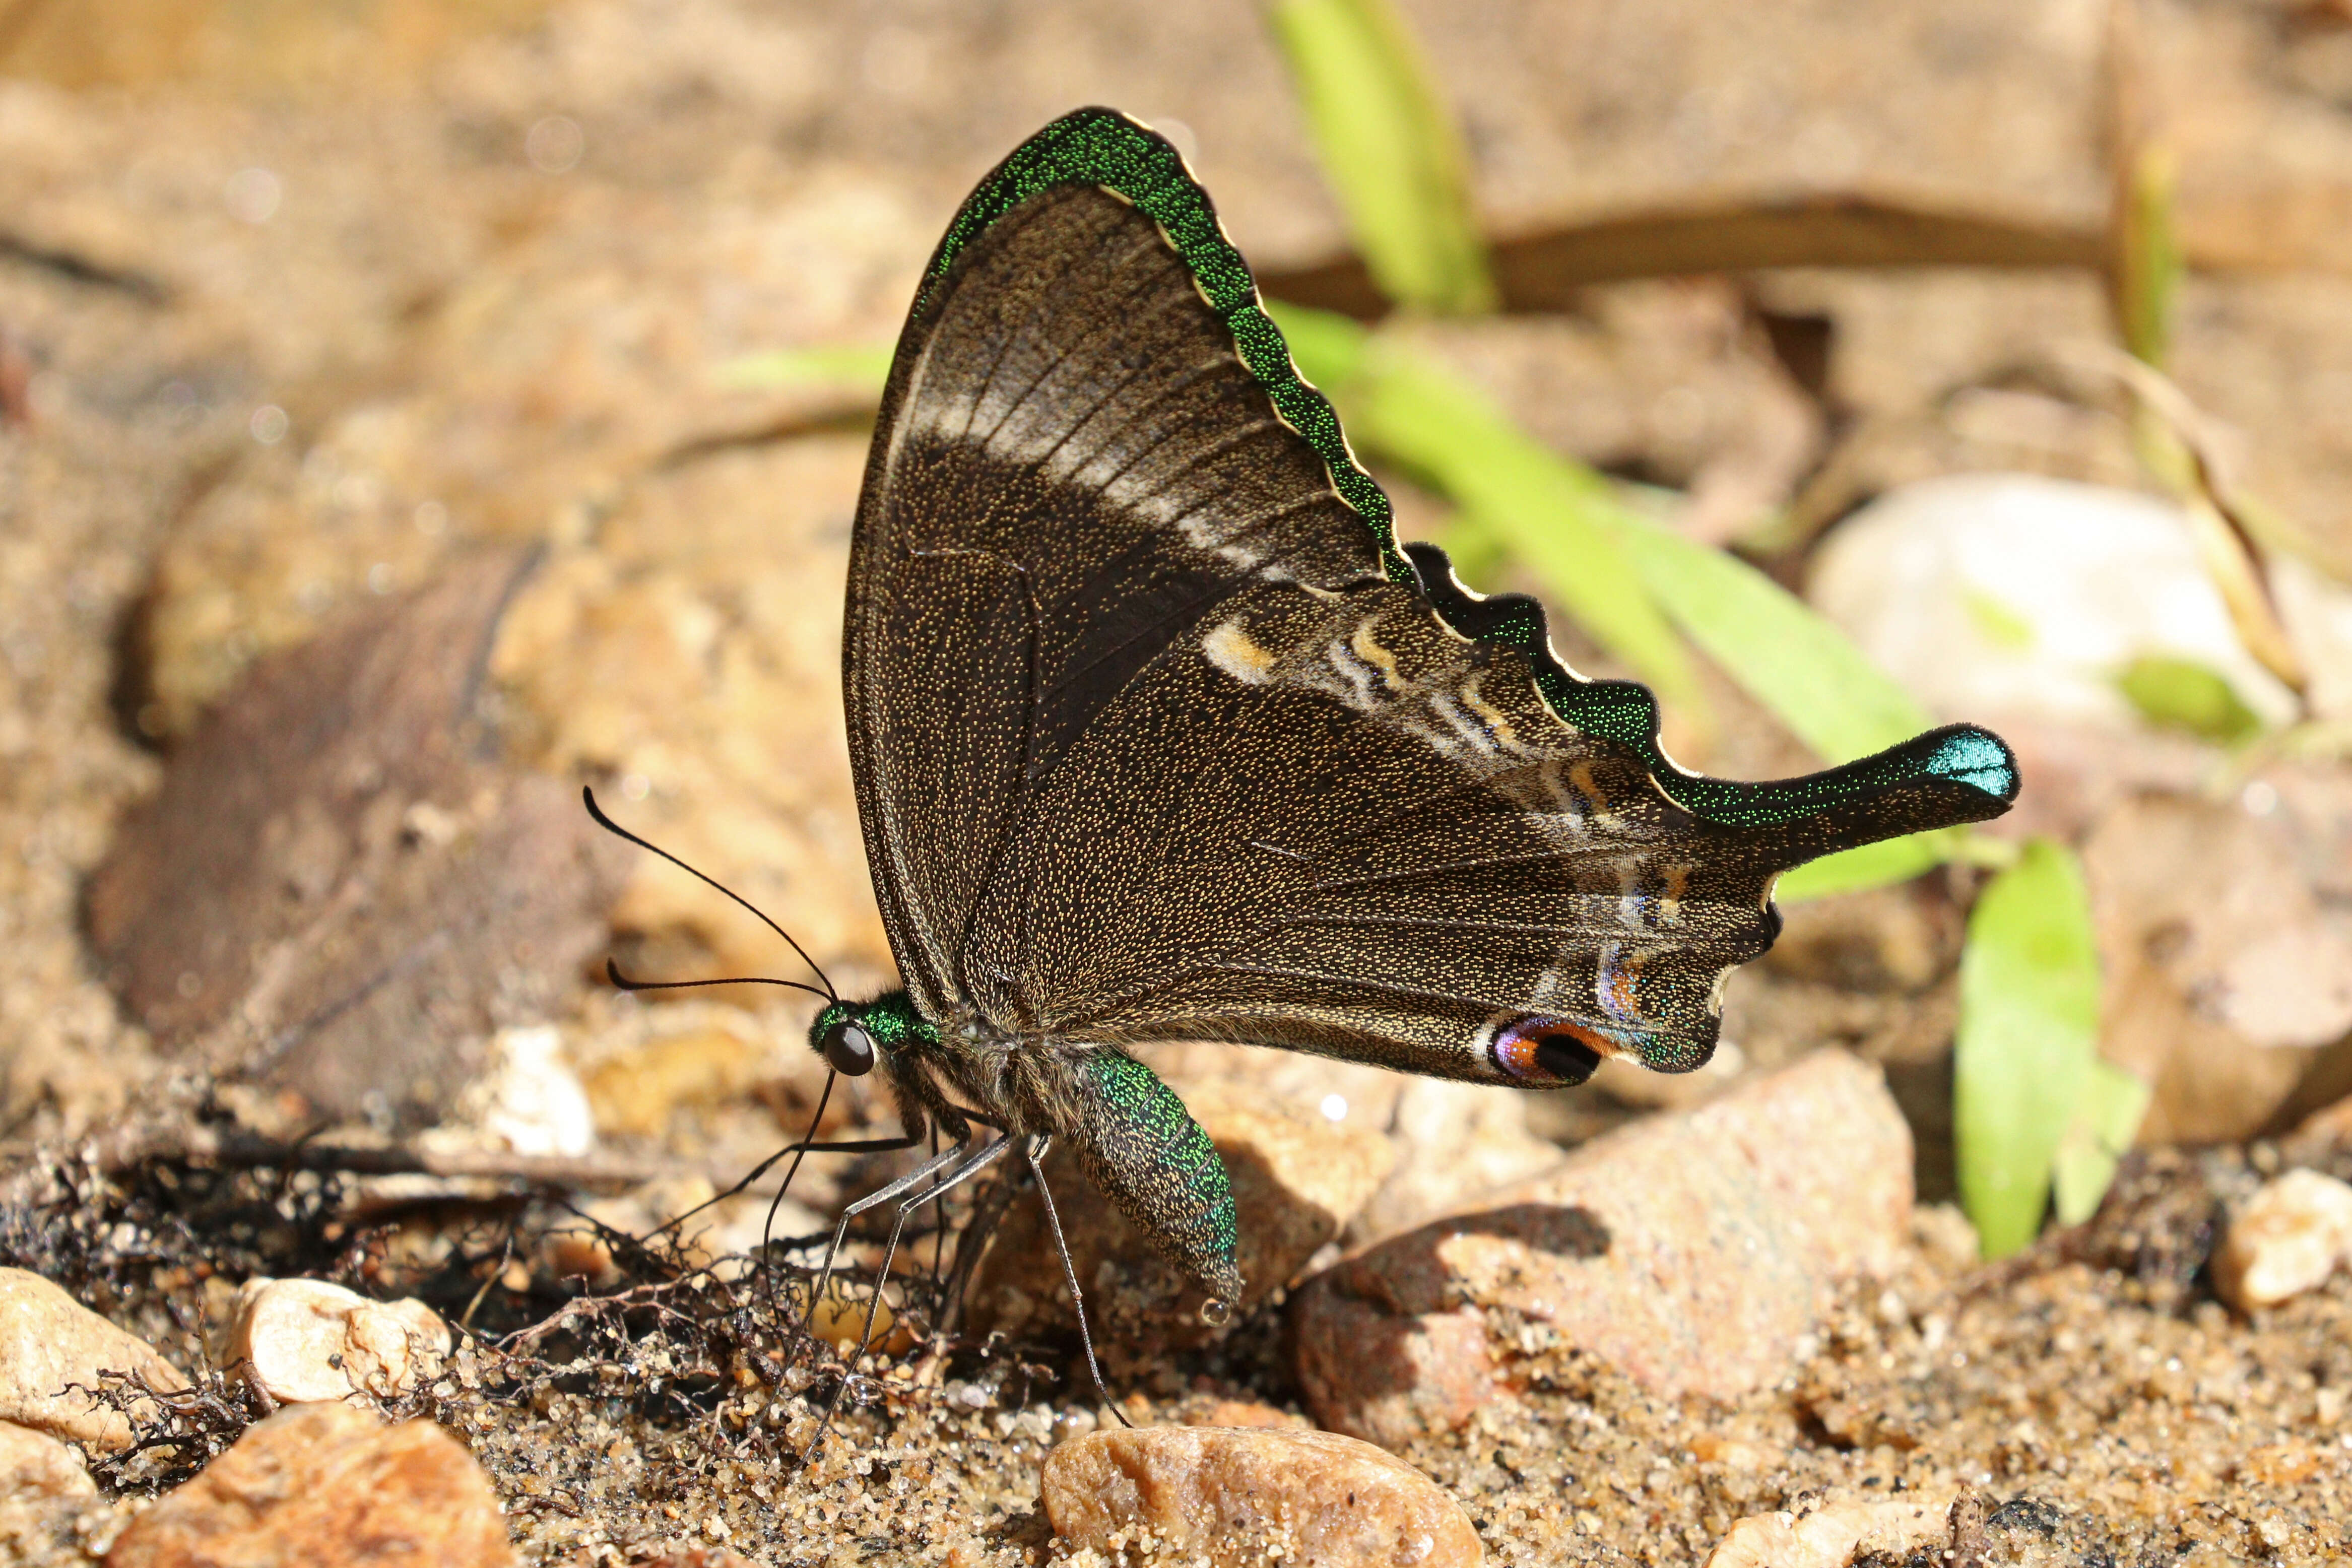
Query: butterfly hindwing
x,y
1332,822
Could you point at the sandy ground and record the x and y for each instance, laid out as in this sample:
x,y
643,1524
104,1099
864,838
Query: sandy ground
x,y
291,315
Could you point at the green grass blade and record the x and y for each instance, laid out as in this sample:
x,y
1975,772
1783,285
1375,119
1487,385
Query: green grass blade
x,y
1614,570
1776,646
852,367
1880,865
2147,261
2028,1040
2095,1143
1555,516
1805,671
1390,148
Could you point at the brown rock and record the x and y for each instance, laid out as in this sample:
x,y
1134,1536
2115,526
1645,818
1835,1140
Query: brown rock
x,y
1830,1536
49,1342
323,1486
1688,1251
301,1341
35,1465
1247,1495
2286,1239
1450,1141
1454,1142
1297,1180
636,1093
332,884
2227,965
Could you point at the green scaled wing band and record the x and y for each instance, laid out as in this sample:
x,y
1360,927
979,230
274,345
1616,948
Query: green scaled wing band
x,y
1106,149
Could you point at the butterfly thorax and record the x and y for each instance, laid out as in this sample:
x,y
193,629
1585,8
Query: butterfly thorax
x,y
1133,1136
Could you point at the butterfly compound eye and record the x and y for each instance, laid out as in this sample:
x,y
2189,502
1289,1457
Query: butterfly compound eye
x,y
849,1048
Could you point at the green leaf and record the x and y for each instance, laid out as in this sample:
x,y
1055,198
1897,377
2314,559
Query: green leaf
x,y
1328,348
1879,865
1778,648
2027,1043
848,365
1390,148
2094,1142
2182,694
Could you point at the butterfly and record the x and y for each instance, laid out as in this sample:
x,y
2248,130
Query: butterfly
x,y
1159,733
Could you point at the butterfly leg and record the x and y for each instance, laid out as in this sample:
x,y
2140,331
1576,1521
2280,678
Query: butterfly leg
x,y
874,1199
1036,1154
973,1163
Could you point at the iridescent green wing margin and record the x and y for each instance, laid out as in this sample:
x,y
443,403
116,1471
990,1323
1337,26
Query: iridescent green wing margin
x,y
1104,148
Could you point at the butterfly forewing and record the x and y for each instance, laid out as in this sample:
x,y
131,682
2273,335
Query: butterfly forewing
x,y
1074,466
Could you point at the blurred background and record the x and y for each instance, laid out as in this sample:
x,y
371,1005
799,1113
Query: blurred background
x,y
412,410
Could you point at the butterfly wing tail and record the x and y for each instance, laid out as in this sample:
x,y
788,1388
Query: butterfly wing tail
x,y
1956,774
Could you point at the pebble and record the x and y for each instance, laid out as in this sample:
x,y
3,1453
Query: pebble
x,y
1831,1536
47,1341
2014,596
2286,1239
1299,1178
326,1486
1691,1251
1230,1496
35,1465
301,1341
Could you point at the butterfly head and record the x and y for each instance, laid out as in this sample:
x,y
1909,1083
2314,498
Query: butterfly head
x,y
855,1036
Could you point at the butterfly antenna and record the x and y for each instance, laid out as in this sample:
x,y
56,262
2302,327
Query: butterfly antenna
x,y
588,797
1035,1151
799,1152
613,973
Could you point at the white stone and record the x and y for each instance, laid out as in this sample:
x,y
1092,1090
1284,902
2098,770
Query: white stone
x,y
307,1340
1991,596
530,1099
1830,1536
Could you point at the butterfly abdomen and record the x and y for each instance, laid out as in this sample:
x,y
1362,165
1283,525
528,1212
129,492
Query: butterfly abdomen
x,y
1138,1144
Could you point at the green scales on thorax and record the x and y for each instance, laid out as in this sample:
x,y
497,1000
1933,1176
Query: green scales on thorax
x,y
1160,734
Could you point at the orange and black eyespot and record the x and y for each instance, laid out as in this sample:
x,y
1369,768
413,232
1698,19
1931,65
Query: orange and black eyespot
x,y
1551,1051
